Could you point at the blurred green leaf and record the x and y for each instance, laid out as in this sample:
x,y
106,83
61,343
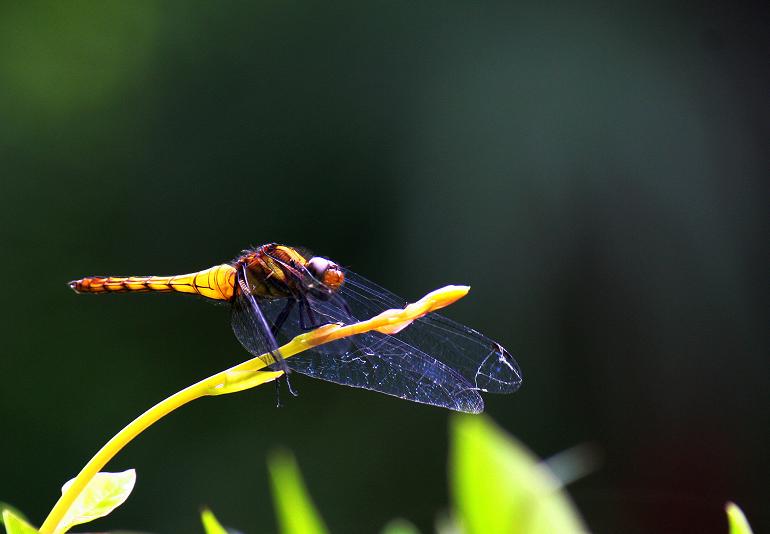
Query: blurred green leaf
x,y
296,513
498,485
102,495
210,523
737,520
15,511
16,525
400,526
574,463
446,523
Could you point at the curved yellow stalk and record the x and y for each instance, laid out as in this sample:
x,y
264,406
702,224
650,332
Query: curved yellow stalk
x,y
244,376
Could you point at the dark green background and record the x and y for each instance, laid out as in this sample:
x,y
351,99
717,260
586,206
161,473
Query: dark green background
x,y
597,172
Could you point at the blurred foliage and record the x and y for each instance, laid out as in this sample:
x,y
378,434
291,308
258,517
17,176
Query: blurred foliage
x,y
737,520
399,526
295,511
4,506
211,524
498,485
16,525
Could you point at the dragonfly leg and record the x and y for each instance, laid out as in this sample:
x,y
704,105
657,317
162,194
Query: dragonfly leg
x,y
278,393
282,317
278,381
293,391
312,320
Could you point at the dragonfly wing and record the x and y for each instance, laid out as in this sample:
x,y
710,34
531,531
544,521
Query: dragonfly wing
x,y
483,362
385,364
372,361
249,323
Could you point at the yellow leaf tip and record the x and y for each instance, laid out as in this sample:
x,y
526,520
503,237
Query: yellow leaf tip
x,y
737,519
446,295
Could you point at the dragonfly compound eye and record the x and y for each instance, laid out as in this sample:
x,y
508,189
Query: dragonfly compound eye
x,y
317,267
333,277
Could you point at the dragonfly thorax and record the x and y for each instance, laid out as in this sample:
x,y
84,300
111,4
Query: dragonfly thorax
x,y
279,271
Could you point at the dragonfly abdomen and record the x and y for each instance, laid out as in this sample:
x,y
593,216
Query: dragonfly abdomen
x,y
215,283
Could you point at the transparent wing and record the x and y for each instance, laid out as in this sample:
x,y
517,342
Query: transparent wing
x,y
484,363
383,363
372,361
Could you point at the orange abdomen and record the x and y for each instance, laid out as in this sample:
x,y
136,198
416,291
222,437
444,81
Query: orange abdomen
x,y
215,283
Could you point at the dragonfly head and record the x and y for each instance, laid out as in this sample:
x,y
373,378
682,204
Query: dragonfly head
x,y
327,272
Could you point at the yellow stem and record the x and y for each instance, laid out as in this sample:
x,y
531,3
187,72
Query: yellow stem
x,y
243,376
120,440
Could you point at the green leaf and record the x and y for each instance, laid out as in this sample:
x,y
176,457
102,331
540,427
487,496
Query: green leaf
x,y
498,485
400,526
16,525
737,520
295,511
210,523
5,506
104,493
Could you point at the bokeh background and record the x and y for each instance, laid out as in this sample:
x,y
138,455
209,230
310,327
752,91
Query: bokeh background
x,y
597,172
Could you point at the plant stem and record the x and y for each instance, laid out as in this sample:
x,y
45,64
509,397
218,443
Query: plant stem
x,y
128,433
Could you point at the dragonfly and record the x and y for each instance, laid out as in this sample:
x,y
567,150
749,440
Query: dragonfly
x,y
277,292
